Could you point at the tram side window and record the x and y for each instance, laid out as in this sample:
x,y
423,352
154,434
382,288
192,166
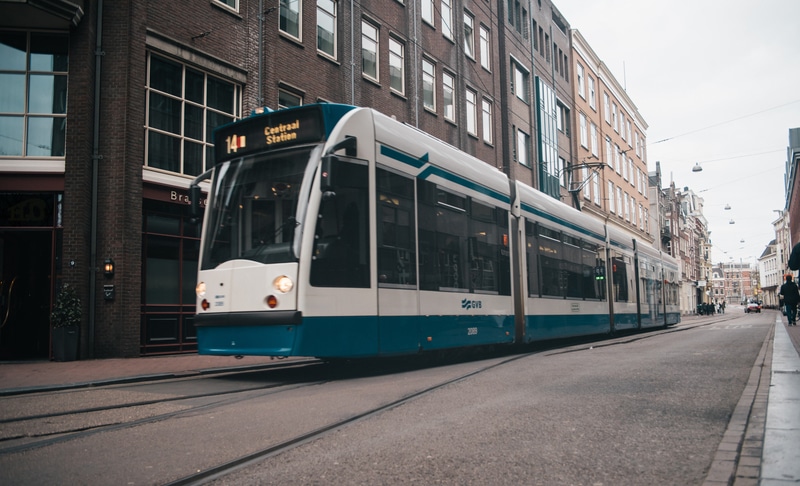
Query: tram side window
x,y
553,280
488,251
397,258
620,275
461,243
561,265
341,239
594,270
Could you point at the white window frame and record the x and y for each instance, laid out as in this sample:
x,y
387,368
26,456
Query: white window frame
x,y
471,102
611,207
180,133
397,62
583,128
229,4
593,132
469,35
426,11
428,84
523,148
486,115
447,18
581,87
521,81
370,42
449,96
287,6
327,9
485,48
592,95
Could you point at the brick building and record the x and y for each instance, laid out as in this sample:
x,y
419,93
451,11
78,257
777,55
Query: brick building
x,y
112,107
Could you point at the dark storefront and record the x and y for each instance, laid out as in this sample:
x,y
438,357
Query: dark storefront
x,y
170,252
30,245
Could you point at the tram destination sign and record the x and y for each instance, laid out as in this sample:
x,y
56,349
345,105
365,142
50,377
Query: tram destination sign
x,y
268,131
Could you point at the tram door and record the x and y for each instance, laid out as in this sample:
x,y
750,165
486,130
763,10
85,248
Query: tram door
x,y
623,292
398,298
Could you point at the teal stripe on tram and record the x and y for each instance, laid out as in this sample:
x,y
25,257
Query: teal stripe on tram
x,y
563,222
431,170
404,158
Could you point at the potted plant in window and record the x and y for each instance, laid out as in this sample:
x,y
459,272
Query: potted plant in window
x,y
66,322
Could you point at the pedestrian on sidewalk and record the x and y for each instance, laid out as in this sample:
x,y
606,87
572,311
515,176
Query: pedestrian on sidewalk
x,y
791,297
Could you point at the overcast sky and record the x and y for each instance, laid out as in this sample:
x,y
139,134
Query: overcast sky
x,y
717,82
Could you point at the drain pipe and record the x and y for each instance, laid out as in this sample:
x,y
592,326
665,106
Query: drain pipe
x,y
96,157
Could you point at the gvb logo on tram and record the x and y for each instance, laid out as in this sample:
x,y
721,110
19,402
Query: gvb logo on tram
x,y
470,304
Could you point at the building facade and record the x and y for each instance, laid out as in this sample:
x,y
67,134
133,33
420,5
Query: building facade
x,y
113,106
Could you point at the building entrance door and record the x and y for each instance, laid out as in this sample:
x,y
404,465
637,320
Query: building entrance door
x,y
25,290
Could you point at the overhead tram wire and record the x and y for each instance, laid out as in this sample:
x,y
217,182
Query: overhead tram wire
x,y
724,122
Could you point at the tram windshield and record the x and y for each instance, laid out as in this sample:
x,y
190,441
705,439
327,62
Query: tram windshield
x,y
256,207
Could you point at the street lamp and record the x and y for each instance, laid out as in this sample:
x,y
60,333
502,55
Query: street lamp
x,y
697,167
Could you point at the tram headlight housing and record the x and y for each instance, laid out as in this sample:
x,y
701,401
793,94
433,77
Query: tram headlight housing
x,y
283,284
200,289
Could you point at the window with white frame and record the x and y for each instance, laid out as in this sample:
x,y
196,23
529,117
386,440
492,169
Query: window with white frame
x,y
627,207
628,125
521,81
596,187
611,206
587,191
33,105
581,88
232,4
618,161
288,99
447,18
619,202
592,99
486,53
469,35
396,66
426,7
614,120
523,148
290,17
606,108
593,132
584,134
369,50
471,99
609,159
326,27
449,96
184,105
486,114
622,123
428,84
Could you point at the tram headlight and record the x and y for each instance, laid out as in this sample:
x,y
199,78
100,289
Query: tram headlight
x,y
283,284
200,289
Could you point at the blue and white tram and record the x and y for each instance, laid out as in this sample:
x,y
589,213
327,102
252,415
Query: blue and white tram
x,y
336,232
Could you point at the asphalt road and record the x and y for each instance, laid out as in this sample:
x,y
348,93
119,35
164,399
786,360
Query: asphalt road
x,y
644,409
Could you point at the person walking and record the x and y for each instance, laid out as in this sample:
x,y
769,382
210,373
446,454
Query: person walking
x,y
791,297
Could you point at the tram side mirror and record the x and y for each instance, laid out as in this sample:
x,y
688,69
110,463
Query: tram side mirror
x,y
194,198
327,173
195,194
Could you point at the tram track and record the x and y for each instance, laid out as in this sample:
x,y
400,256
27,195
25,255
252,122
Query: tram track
x,y
211,474
303,375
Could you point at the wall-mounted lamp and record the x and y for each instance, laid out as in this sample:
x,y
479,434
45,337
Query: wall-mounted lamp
x,y
108,268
